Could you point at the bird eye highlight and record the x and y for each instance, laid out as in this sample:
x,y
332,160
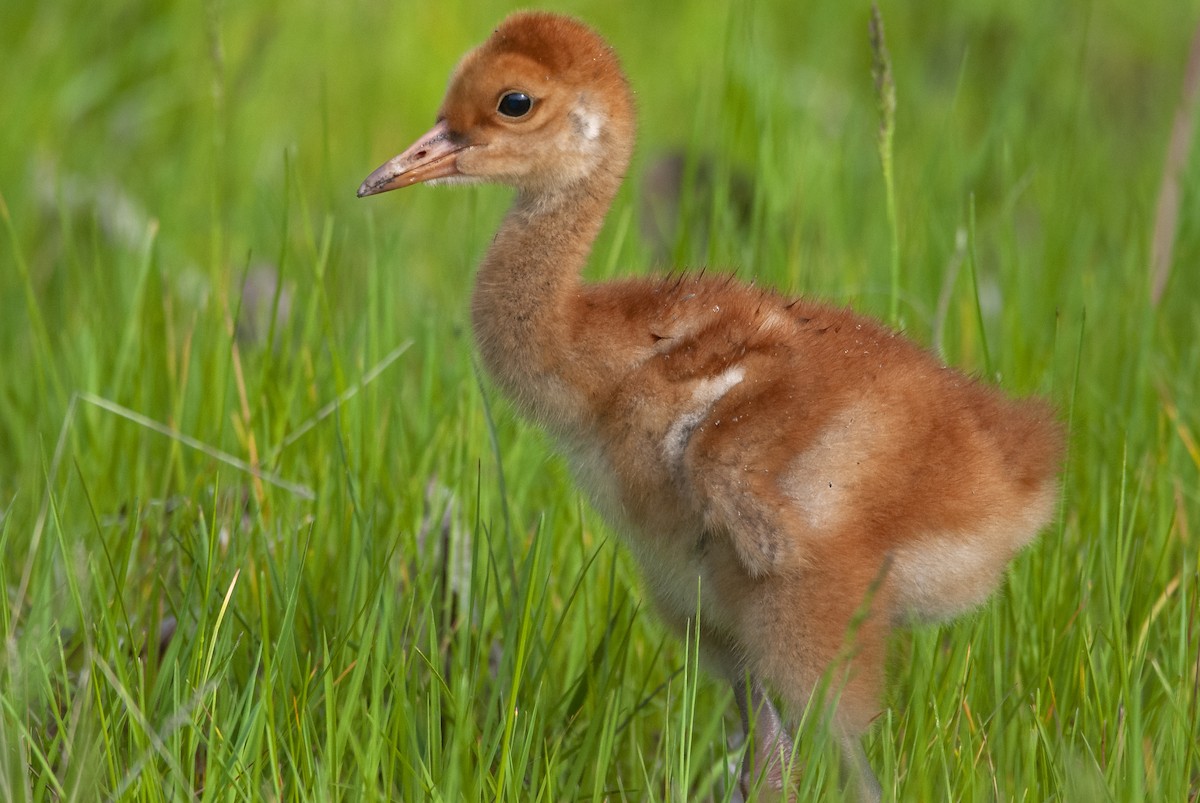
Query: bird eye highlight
x,y
515,104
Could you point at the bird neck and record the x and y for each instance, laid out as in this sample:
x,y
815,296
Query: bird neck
x,y
524,292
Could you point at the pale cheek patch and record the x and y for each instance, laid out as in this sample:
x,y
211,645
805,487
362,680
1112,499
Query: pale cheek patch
x,y
587,123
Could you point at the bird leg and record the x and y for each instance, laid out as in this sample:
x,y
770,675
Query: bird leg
x,y
770,751
862,777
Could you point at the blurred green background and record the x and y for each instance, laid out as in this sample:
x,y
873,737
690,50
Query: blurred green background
x,y
182,241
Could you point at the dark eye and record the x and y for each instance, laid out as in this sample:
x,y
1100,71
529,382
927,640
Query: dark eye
x,y
515,104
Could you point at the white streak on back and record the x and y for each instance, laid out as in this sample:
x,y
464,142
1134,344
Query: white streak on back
x,y
705,396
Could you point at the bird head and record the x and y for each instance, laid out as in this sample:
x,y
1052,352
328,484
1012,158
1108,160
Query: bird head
x,y
542,105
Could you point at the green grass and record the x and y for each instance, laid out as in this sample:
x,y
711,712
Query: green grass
x,y
382,585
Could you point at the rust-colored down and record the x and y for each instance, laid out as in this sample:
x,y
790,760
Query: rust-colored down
x,y
792,460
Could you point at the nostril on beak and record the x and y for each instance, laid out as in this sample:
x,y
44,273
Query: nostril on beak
x,y
420,154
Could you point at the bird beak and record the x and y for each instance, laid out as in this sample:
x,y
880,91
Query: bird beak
x,y
434,155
